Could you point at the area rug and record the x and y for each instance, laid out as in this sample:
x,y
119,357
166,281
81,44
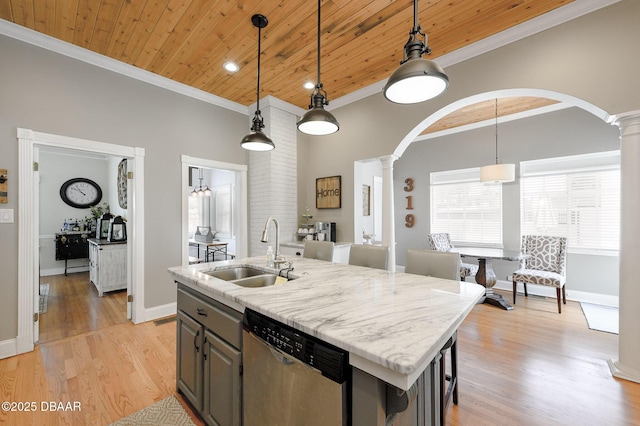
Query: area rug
x,y
600,317
44,297
168,412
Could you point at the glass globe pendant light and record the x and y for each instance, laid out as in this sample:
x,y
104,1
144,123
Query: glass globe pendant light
x,y
416,79
257,140
317,121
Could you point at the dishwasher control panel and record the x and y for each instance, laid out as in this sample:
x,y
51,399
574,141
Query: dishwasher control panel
x,y
332,361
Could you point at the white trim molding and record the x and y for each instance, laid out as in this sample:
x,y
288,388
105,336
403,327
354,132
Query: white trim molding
x,y
241,200
28,232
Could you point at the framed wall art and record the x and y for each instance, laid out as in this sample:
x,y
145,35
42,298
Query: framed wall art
x,y
122,184
329,192
366,200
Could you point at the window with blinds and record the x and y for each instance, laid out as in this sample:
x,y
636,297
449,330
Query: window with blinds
x,y
577,197
469,210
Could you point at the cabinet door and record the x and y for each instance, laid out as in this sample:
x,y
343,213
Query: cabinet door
x,y
222,386
189,359
93,263
112,266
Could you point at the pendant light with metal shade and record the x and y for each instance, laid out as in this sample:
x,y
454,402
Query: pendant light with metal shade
x,y
317,121
498,173
257,140
416,79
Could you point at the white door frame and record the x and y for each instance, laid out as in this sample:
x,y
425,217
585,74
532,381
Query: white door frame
x,y
240,170
29,218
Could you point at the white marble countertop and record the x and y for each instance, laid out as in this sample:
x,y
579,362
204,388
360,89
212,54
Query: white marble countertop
x,y
300,244
392,324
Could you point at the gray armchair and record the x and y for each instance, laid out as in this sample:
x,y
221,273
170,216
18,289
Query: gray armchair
x,y
546,265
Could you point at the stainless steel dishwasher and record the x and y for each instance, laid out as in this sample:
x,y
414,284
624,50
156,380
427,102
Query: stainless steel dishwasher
x,y
291,378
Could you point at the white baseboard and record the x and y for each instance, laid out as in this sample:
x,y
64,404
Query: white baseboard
x,y
8,348
157,312
622,372
575,295
60,271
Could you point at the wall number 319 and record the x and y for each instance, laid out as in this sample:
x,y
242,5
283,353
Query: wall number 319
x,y
409,219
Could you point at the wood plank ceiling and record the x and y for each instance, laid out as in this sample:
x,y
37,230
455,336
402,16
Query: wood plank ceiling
x,y
189,40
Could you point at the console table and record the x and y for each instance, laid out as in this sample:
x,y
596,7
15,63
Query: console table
x,y
72,245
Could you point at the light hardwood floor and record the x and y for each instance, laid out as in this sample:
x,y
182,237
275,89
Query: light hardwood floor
x,y
74,307
529,366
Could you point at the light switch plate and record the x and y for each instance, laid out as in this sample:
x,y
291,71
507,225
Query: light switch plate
x,y
6,215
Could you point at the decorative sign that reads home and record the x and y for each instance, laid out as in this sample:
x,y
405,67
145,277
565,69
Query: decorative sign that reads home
x,y
329,193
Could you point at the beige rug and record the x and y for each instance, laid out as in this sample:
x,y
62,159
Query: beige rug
x,y
44,298
168,412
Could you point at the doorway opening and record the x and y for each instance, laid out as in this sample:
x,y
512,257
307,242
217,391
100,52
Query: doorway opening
x,y
76,295
31,144
214,219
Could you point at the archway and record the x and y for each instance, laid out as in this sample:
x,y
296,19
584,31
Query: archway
x,y
496,94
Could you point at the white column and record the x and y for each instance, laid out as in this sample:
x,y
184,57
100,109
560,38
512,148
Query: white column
x,y
388,227
628,364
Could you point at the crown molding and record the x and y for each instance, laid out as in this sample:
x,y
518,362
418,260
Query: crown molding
x,y
541,23
44,41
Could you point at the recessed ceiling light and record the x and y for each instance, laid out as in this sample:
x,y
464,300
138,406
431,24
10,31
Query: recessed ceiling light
x,y
231,66
309,85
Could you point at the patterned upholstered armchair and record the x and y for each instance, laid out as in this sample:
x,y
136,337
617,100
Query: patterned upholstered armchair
x,y
546,264
442,242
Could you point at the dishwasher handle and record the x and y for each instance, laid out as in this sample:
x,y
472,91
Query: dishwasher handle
x,y
279,356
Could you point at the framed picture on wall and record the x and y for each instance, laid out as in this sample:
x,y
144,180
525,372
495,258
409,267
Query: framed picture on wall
x,y
329,192
122,184
366,200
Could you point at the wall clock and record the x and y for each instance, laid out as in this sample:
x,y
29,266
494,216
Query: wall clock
x,y
81,193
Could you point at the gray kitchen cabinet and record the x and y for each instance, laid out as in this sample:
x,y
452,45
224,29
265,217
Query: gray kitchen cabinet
x,y
190,360
222,397
209,357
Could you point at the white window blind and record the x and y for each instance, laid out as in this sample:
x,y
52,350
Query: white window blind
x,y
469,210
577,197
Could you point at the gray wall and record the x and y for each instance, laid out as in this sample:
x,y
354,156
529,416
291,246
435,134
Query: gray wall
x,y
51,93
566,132
592,58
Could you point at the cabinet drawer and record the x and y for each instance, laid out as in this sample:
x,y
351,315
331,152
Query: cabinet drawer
x,y
222,320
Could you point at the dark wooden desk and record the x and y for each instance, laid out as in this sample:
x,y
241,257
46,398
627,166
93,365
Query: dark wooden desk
x,y
486,276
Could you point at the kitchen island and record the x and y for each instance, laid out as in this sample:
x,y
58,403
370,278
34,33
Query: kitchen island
x,y
393,325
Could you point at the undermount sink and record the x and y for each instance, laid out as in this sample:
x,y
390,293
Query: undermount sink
x,y
245,276
230,274
257,281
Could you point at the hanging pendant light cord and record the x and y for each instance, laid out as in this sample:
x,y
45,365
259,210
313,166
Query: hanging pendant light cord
x,y
258,89
496,130
319,84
